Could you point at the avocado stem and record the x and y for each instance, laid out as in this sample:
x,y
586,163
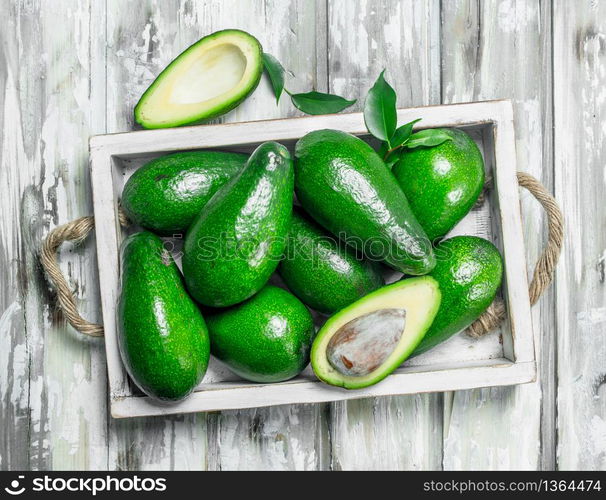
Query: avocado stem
x,y
389,151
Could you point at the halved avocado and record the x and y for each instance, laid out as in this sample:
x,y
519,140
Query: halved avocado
x,y
363,343
208,79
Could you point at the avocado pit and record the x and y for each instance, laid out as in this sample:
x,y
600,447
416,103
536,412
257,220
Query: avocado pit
x,y
361,345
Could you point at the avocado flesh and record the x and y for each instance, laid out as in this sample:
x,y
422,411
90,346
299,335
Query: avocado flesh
x,y
162,336
166,194
346,187
469,271
418,297
208,79
442,183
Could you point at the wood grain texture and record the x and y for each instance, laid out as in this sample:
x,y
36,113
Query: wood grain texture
x,y
365,37
580,152
142,42
53,378
492,49
459,364
58,86
142,38
290,437
15,353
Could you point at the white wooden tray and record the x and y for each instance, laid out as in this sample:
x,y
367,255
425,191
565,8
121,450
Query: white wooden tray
x,y
504,357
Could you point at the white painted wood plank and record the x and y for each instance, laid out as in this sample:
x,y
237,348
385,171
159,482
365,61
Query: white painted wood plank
x,y
141,142
519,344
14,355
74,376
499,49
580,156
364,38
48,108
239,394
290,437
142,42
38,201
107,234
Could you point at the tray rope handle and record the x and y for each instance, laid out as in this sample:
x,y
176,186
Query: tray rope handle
x,y
543,271
77,230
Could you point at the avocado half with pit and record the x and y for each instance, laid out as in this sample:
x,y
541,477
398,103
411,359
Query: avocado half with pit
x,y
208,79
363,343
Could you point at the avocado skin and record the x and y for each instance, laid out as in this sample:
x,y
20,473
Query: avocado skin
x,y
235,244
345,186
469,271
163,338
218,110
265,339
322,272
166,194
442,183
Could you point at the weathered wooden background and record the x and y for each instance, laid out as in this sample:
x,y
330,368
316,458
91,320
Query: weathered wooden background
x,y
72,68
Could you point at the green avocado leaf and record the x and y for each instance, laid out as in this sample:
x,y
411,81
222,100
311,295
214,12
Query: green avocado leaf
x,y
428,138
318,103
380,110
403,133
400,138
275,72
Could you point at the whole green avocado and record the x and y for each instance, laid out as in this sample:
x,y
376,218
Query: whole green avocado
x,y
167,193
323,272
265,339
235,244
162,336
469,272
346,187
442,183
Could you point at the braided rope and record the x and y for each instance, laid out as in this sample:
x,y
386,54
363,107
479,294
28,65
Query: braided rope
x,y
75,231
543,271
